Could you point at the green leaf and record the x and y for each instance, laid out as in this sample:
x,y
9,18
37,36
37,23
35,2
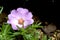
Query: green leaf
x,y
36,25
44,37
5,33
50,38
1,9
5,28
0,28
27,37
15,34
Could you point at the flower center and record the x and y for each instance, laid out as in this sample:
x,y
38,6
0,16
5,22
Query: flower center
x,y
21,21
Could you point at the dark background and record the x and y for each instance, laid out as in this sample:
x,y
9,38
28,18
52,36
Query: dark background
x,y
46,10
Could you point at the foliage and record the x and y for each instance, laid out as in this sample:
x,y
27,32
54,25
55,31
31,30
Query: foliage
x,y
30,33
1,9
5,33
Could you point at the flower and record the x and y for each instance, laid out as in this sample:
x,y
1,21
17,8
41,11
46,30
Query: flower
x,y
20,17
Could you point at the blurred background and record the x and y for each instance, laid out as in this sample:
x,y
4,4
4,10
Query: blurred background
x,y
46,10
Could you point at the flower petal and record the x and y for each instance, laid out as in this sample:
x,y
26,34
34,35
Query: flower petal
x,y
31,21
19,9
29,15
28,22
14,13
10,16
14,27
22,11
14,21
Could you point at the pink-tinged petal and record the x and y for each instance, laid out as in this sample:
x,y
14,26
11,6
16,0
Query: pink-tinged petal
x,y
14,21
14,27
29,15
10,16
28,22
19,9
31,21
13,11
15,14
22,11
